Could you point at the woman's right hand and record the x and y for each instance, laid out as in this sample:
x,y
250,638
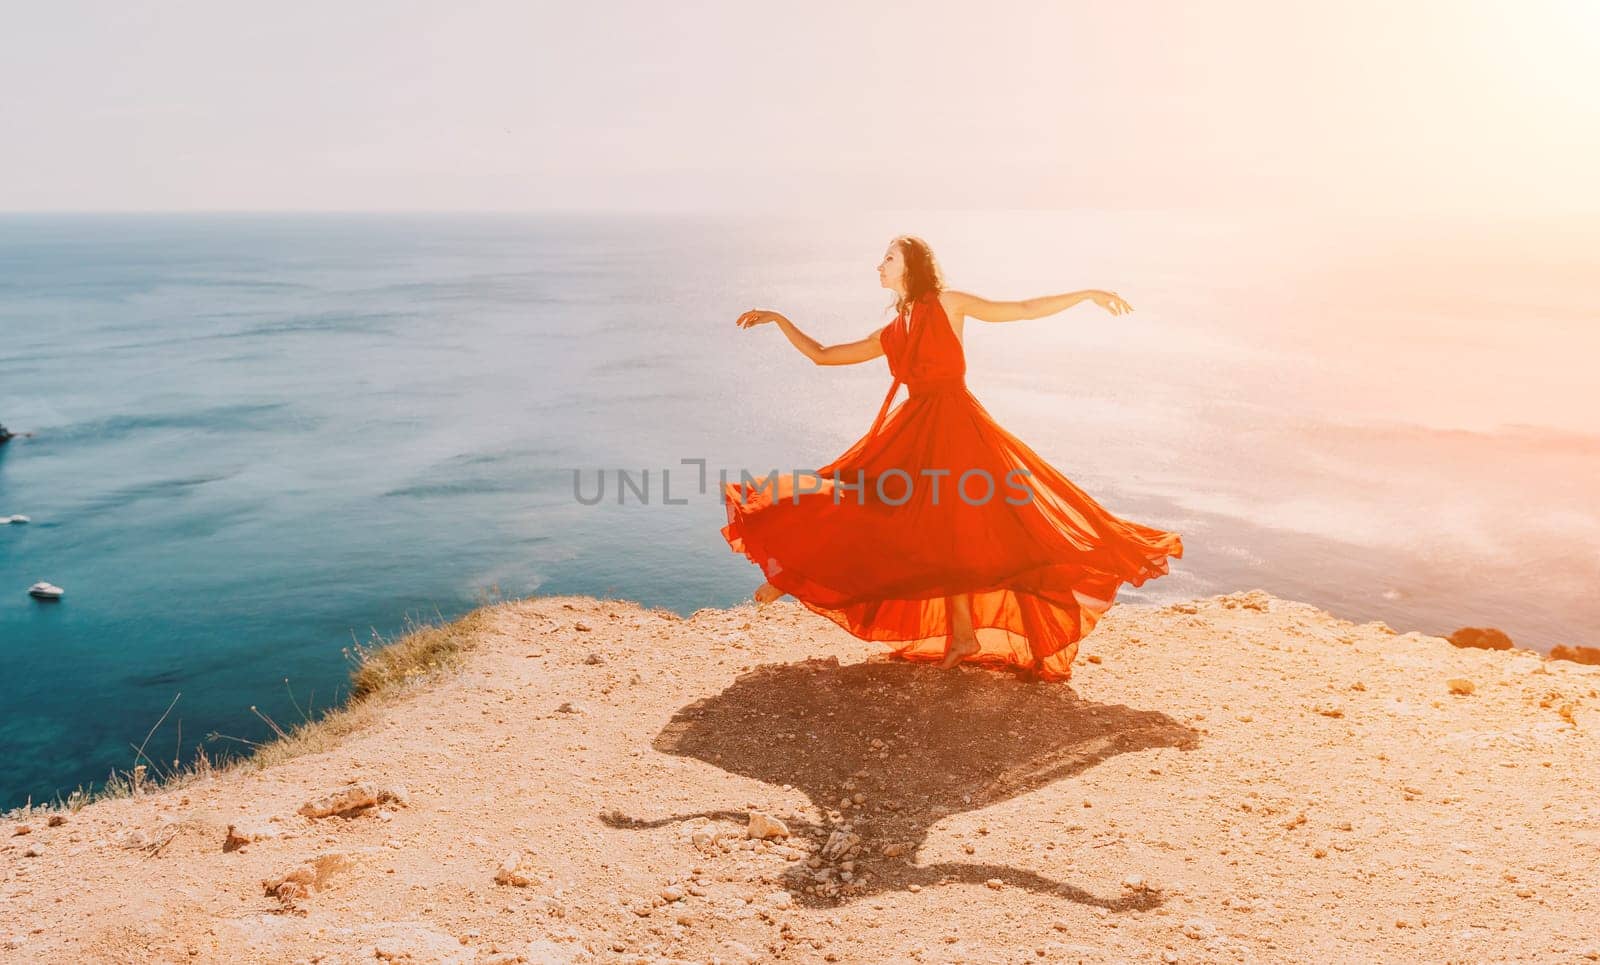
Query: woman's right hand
x,y
756,316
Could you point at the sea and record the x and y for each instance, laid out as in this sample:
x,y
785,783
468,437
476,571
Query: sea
x,y
259,441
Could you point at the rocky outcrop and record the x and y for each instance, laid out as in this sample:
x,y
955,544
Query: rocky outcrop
x,y
1588,655
1481,638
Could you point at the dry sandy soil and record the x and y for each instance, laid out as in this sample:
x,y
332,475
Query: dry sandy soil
x,y
1233,779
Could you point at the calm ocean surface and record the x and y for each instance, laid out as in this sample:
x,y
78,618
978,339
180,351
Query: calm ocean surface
x,y
261,438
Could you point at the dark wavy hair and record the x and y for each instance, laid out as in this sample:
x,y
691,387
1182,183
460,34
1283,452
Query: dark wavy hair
x,y
922,271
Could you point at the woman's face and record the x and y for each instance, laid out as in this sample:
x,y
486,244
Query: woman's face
x,y
892,269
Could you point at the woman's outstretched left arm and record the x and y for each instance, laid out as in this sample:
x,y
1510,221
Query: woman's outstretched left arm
x,y
986,310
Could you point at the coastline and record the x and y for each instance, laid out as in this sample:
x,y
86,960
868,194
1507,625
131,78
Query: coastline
x,y
1218,775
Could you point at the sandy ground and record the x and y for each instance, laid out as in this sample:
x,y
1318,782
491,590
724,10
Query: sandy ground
x,y
1234,779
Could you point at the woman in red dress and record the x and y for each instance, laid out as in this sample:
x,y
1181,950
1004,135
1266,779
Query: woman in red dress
x,y
939,533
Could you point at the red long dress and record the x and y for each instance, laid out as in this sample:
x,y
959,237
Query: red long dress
x,y
1041,560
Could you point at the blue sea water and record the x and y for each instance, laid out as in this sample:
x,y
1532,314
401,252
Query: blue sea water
x,y
258,439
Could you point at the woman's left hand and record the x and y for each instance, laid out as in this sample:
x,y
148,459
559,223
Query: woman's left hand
x,y
757,316
1111,302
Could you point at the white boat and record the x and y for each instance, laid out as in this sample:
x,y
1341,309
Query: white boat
x,y
19,518
45,591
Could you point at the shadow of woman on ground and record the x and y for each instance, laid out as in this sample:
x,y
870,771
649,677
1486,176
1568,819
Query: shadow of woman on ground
x,y
885,749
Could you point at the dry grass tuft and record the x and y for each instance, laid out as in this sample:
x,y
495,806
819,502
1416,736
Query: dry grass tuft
x,y
422,649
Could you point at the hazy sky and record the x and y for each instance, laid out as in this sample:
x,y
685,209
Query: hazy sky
x,y
1472,106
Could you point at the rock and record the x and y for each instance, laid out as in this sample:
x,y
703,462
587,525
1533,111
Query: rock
x,y
241,835
1481,638
780,899
765,826
593,659
581,627
305,879
893,850
514,872
55,821
134,838
671,893
352,798
1198,929
995,883
1586,655
569,707
1460,686
840,843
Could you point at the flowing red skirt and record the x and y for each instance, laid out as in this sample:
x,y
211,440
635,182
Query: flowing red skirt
x,y
1040,560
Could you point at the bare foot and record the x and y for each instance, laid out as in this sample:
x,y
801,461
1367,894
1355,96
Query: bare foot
x,y
957,651
766,593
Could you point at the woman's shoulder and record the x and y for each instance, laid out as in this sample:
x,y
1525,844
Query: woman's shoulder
x,y
950,301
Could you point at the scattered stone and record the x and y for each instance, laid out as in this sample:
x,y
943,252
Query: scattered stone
x,y
571,707
581,627
352,798
133,838
594,658
1198,929
305,879
893,850
995,884
241,835
840,843
764,826
1460,686
514,872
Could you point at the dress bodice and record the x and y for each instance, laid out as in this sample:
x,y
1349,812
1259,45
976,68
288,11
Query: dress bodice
x,y
922,346
924,353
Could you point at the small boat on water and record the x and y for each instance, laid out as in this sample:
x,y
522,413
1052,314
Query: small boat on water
x,y
19,518
45,591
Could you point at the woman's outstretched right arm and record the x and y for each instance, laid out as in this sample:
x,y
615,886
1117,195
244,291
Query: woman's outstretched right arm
x,y
845,353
